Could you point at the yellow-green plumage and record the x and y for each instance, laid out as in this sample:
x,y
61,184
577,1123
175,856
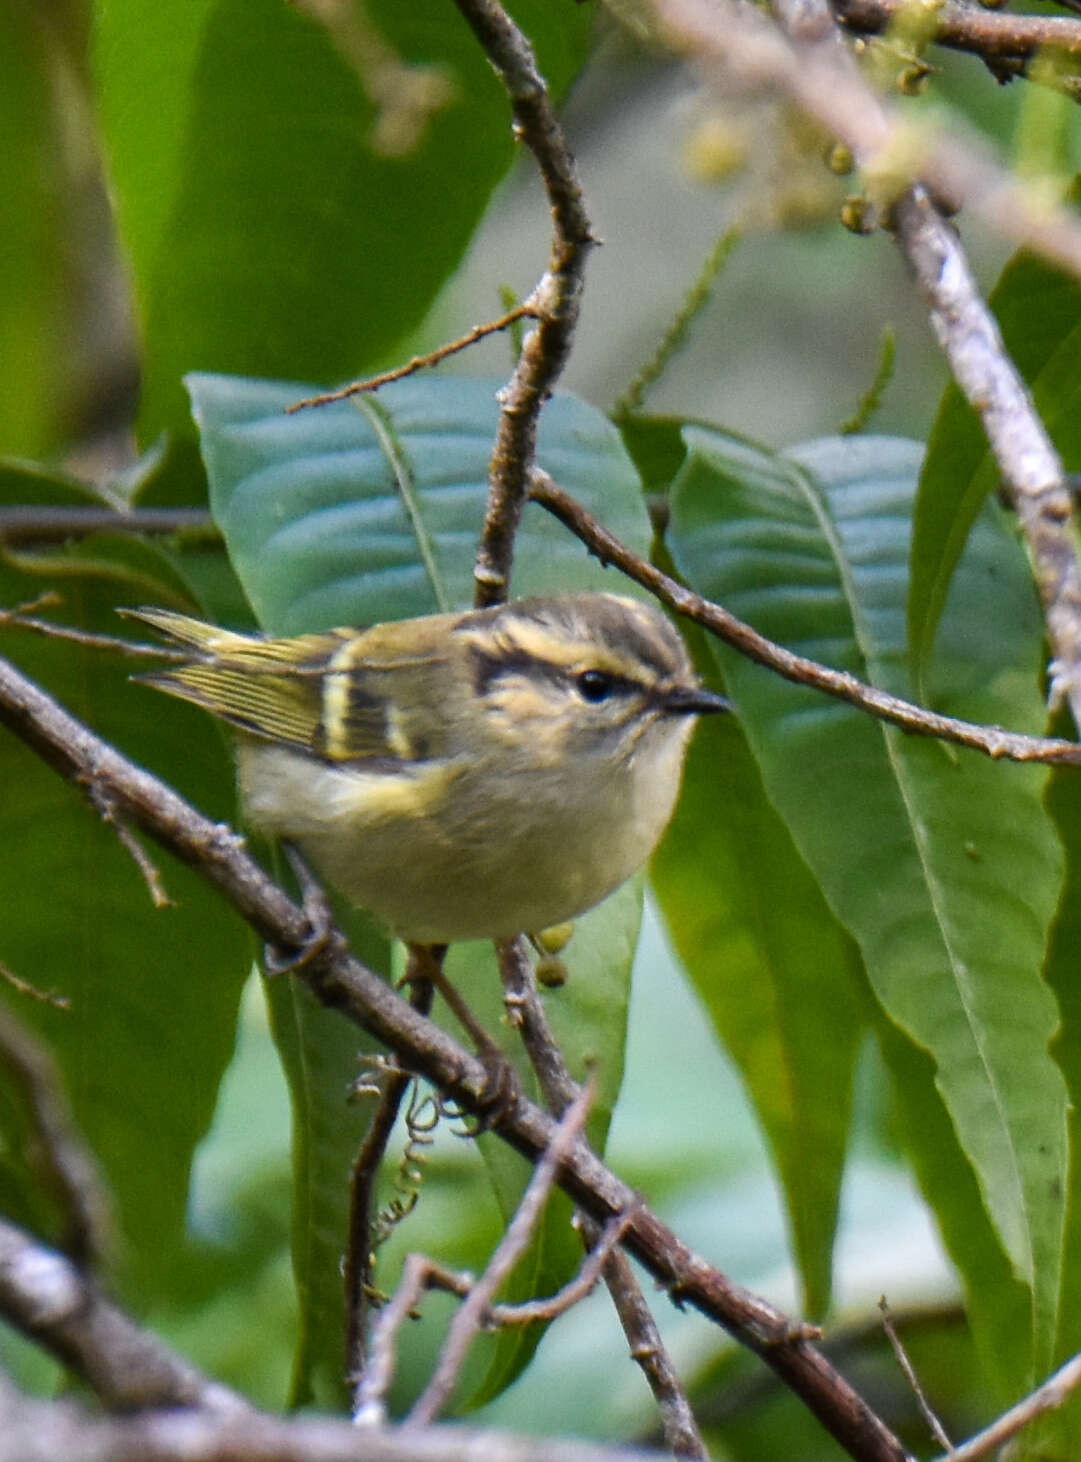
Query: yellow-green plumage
x,y
464,775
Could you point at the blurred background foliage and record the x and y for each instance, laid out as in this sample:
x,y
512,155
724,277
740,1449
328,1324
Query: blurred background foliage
x,y
235,186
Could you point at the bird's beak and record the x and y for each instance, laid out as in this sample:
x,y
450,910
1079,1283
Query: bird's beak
x,y
693,700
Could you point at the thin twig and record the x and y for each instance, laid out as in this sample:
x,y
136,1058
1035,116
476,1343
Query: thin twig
x,y
555,298
576,1289
474,1309
996,36
104,804
1032,470
342,982
525,310
993,741
363,1186
420,1274
892,150
1052,1394
647,1349
65,1162
936,1428
31,523
89,641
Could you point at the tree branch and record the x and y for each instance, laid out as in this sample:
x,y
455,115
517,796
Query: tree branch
x,y
343,983
1005,42
969,336
555,299
734,38
993,741
54,1303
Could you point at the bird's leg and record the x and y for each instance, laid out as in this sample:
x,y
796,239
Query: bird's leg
x,y
319,915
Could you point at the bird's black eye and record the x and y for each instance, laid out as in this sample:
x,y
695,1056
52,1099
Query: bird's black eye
x,y
595,685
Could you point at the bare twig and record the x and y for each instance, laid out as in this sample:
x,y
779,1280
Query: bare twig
x,y
37,1431
53,1302
363,1184
555,298
1003,40
523,311
993,741
1031,469
647,1349
569,1294
24,987
892,151
474,1310
927,1410
58,1150
342,982
1048,1397
420,1274
104,805
18,619
28,524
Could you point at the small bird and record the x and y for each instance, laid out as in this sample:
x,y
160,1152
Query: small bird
x,y
459,776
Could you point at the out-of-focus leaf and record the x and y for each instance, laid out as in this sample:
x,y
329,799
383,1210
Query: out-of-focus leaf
x,y
1039,313
153,992
351,516
275,224
33,263
780,978
945,868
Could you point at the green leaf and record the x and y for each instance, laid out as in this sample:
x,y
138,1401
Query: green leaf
x,y
34,250
153,992
1064,976
322,1056
270,228
1039,313
997,1303
780,979
353,514
943,866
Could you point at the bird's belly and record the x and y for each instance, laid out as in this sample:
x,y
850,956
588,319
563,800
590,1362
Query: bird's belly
x,y
469,866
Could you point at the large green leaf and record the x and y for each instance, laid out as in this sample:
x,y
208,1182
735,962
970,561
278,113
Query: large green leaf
x,y
1039,313
362,512
354,513
944,867
268,228
153,992
780,978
